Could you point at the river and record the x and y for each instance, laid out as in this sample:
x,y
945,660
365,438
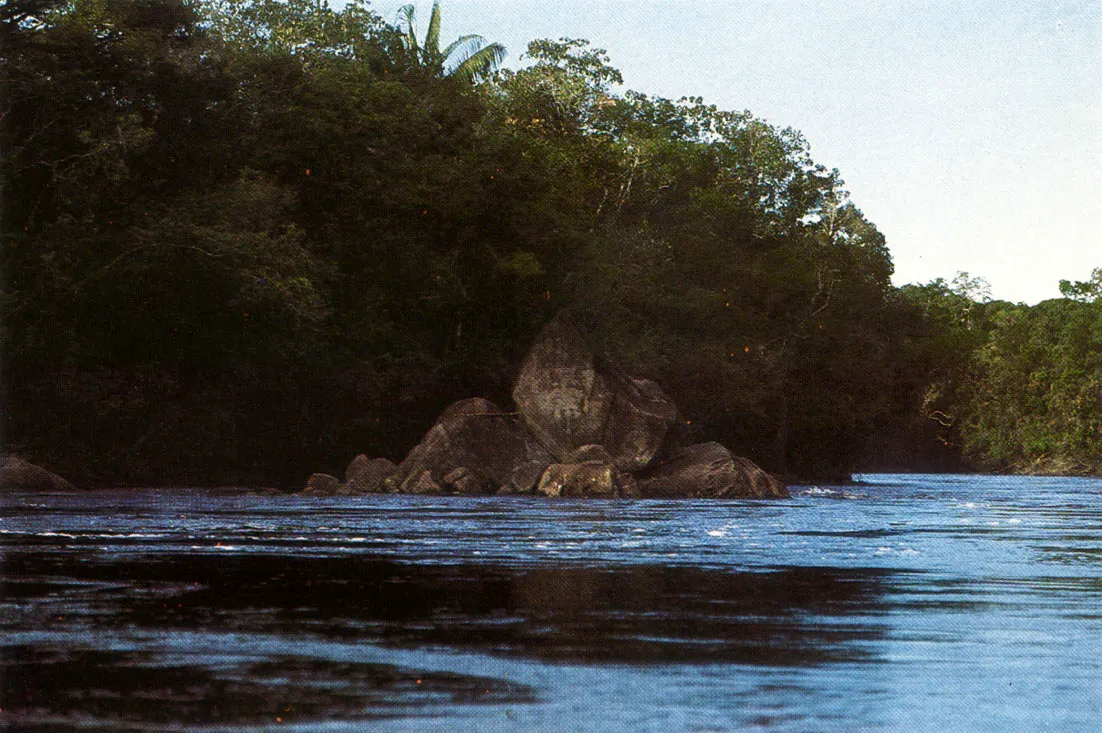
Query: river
x,y
900,602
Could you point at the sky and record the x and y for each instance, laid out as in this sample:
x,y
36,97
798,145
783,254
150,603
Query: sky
x,y
968,131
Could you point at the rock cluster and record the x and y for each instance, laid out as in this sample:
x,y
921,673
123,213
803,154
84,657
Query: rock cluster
x,y
581,429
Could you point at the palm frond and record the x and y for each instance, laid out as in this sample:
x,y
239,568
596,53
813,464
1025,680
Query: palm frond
x,y
480,64
432,37
467,56
471,39
406,15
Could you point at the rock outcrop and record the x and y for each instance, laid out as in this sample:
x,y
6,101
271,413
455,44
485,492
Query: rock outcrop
x,y
474,447
19,475
582,429
587,480
708,471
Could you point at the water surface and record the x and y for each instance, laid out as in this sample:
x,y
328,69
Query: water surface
x,y
897,603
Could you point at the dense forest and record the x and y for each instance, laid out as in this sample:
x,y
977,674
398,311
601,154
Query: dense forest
x,y
245,239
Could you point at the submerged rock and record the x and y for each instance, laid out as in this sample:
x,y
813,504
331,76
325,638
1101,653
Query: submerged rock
x,y
708,470
19,475
491,447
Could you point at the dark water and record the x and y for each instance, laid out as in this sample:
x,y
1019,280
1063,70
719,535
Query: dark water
x,y
901,603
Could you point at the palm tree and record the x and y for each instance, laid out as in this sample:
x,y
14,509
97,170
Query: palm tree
x,y
473,60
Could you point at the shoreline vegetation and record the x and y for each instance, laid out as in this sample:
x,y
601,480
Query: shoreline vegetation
x,y
244,240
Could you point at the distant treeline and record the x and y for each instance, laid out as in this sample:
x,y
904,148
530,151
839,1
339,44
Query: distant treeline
x,y
246,239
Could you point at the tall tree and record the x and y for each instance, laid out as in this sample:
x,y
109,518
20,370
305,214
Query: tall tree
x,y
467,57
1084,291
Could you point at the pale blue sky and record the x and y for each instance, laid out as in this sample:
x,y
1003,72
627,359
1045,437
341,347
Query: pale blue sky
x,y
970,132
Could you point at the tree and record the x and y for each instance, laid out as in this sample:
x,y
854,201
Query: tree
x,y
308,29
717,257
468,57
1036,404
1086,292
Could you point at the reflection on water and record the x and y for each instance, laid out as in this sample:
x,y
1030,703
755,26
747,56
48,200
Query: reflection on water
x,y
132,690
634,615
640,614
904,603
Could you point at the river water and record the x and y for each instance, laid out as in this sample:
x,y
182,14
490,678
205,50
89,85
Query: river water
x,y
900,602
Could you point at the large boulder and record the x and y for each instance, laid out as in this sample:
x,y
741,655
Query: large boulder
x,y
562,397
708,470
638,423
567,400
491,447
763,485
368,475
19,475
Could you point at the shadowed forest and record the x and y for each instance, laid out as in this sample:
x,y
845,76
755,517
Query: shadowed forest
x,y
244,240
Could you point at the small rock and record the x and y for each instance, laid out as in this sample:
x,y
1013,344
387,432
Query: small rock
x,y
465,481
322,483
584,480
627,486
422,483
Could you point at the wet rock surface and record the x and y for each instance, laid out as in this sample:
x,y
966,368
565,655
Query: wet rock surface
x,y
640,418
575,480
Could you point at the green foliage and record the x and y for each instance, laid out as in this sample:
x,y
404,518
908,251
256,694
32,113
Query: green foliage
x,y
310,30
1037,404
210,280
1086,292
721,260
1013,387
